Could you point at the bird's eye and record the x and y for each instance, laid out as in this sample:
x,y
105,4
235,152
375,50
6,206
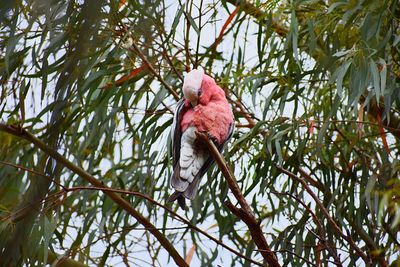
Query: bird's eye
x,y
199,92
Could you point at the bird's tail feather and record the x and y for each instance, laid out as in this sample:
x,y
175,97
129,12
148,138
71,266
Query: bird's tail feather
x,y
176,181
181,202
184,189
191,191
179,197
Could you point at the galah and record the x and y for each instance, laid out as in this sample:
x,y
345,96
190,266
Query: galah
x,y
204,108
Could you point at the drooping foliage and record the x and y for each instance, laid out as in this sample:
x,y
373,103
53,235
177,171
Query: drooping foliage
x,y
314,86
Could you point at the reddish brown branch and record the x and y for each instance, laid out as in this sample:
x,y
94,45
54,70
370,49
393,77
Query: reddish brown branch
x,y
223,29
132,74
176,215
375,109
244,212
126,192
19,132
248,117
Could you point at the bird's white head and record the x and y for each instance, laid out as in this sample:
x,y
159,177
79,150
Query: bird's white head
x,y
192,85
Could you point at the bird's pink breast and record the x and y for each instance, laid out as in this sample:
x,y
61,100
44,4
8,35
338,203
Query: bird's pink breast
x,y
214,118
187,119
213,113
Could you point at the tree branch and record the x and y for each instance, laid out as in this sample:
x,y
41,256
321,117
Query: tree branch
x,y
126,192
326,214
143,57
320,227
244,212
393,121
19,132
258,14
176,215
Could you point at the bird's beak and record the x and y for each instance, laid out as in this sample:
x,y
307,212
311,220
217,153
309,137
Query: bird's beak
x,y
196,95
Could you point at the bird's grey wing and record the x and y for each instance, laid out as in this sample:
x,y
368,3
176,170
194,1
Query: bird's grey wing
x,y
191,190
176,133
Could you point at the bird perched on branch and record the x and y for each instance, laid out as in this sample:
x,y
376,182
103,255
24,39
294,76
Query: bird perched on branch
x,y
204,108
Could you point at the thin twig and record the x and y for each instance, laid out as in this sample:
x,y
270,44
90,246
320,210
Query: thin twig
x,y
187,48
137,50
196,64
296,255
32,171
319,225
326,214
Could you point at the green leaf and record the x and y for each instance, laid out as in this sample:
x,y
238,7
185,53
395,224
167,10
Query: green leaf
x,y
335,5
176,21
294,32
338,76
192,23
375,78
383,75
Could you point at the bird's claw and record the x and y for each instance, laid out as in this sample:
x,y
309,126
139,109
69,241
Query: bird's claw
x,y
212,138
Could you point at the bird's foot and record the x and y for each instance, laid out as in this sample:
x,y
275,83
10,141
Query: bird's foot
x,y
212,138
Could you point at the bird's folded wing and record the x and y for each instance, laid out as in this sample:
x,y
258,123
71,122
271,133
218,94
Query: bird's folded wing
x,y
176,133
192,188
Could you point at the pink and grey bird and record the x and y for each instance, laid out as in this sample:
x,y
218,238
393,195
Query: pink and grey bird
x,y
204,108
